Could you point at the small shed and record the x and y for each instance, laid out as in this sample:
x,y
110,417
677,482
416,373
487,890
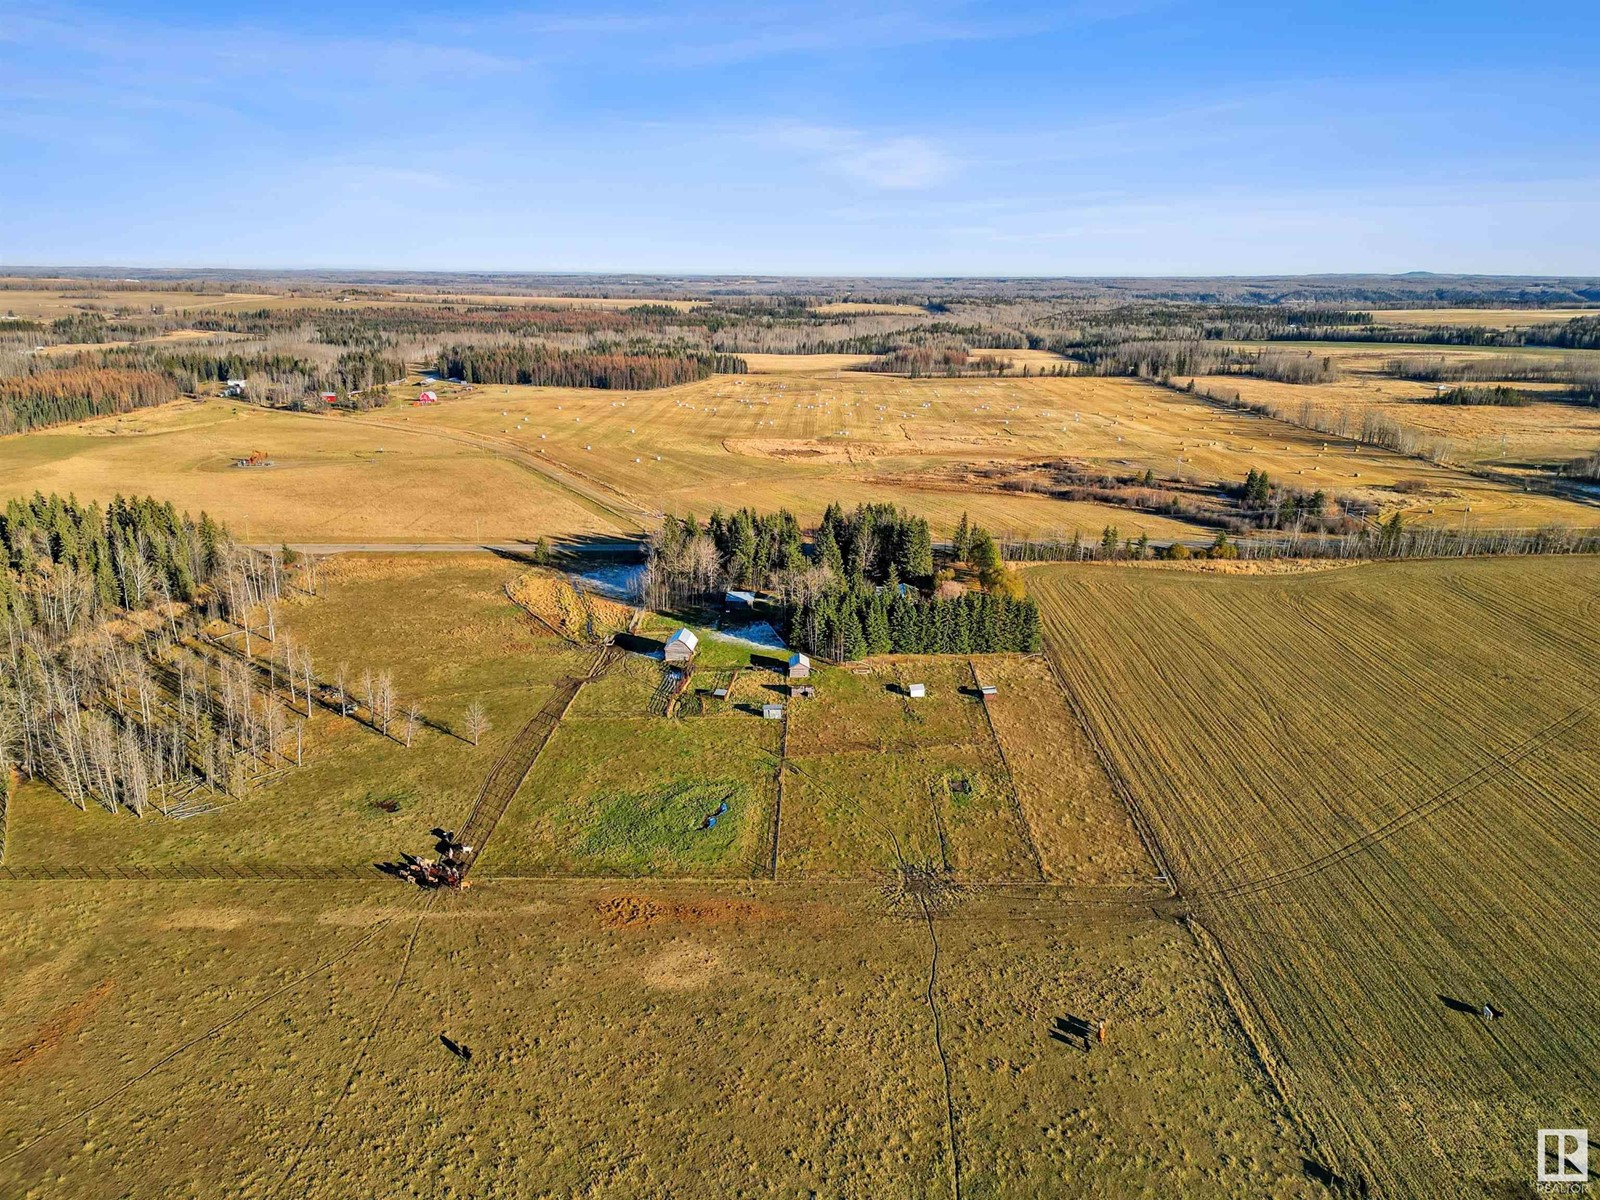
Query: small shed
x,y
739,600
772,712
799,666
916,690
720,693
988,689
680,646
804,690
234,387
330,397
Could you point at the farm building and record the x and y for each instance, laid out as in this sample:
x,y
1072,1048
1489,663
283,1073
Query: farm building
x,y
330,397
234,387
427,398
739,600
772,712
799,666
916,690
680,646
988,689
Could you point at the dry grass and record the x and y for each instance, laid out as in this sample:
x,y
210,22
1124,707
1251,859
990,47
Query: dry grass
x,y
332,479
551,596
801,440
723,1045
852,308
1510,440
1492,318
48,303
1364,867
502,463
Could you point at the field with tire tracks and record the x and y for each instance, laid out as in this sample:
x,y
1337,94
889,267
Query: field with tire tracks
x,y
1377,791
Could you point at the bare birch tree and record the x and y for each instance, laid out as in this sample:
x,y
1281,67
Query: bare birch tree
x,y
476,722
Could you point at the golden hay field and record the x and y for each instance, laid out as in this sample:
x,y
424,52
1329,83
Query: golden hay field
x,y
1372,875
1511,440
1492,318
853,308
500,463
331,479
49,303
767,440
176,336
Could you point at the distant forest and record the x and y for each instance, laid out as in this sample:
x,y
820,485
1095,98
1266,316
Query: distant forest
x,y
352,336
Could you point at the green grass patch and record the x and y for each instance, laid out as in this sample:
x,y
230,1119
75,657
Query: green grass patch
x,y
645,832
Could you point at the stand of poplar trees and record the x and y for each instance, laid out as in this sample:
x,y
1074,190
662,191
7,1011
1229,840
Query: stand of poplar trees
x,y
109,689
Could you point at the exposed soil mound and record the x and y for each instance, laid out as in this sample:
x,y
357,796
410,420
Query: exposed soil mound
x,y
630,912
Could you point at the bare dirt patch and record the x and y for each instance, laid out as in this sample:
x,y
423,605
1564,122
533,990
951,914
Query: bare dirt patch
x,y
61,1025
682,967
633,912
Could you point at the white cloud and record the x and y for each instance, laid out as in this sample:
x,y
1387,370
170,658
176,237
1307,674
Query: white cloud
x,y
888,163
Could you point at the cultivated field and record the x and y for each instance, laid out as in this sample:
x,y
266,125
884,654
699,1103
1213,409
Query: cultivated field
x,y
1376,790
1514,442
48,303
503,463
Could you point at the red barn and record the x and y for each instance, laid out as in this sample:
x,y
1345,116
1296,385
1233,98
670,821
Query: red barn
x,y
330,397
427,398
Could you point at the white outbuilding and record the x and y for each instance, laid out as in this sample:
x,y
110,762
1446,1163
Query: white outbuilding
x,y
680,646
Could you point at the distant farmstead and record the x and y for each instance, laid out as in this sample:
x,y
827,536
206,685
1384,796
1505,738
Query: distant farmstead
x,y
680,646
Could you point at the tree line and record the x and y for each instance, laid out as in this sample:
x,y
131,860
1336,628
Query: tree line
x,y
919,361
68,563
869,585
854,621
542,365
47,397
352,371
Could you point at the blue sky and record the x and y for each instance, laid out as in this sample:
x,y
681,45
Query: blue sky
x,y
1102,137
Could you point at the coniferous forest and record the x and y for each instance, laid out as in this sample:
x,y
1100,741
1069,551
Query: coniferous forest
x,y
869,583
